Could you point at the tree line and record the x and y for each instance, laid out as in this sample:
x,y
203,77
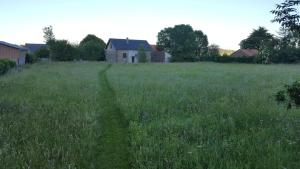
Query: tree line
x,y
90,48
188,45
185,44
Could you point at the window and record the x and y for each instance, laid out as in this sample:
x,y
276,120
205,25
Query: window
x,y
124,55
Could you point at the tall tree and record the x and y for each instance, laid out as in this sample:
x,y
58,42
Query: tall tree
x,y
202,43
48,34
256,38
287,15
92,48
164,39
182,42
62,50
213,50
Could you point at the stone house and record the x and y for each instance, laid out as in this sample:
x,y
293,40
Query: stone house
x,y
13,52
126,50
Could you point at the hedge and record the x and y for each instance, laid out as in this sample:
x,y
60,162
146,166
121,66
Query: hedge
x,y
229,59
5,65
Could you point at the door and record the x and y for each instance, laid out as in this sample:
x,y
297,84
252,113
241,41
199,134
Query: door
x,y
132,59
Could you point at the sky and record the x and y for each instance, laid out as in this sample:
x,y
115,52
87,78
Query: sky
x,y
226,22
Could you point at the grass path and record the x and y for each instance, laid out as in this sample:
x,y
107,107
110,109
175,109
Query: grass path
x,y
113,141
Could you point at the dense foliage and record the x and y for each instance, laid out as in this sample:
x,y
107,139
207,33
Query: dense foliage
x,y
287,15
256,38
183,43
5,65
42,53
290,96
92,48
30,58
229,59
282,50
62,50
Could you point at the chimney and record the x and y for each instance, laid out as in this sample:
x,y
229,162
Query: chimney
x,y
127,40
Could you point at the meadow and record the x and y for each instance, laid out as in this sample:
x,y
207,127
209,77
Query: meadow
x,y
177,116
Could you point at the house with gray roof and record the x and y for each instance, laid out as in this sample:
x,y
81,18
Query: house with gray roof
x,y
33,47
12,52
126,50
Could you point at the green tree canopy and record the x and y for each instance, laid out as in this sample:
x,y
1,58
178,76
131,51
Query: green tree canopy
x,y
256,38
182,42
202,43
62,50
92,48
287,15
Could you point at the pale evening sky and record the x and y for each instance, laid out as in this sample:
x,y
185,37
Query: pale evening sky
x,y
226,22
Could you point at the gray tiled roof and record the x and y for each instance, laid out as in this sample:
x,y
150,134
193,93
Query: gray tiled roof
x,y
12,45
34,47
128,44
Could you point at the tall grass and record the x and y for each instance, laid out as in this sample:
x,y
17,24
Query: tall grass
x,y
208,115
48,117
180,116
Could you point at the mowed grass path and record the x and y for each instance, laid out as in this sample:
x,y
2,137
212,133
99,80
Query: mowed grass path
x,y
114,138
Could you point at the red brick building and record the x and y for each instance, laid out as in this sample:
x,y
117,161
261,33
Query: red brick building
x,y
12,52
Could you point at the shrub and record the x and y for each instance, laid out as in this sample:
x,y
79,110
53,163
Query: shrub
x,y
92,48
30,58
62,50
9,63
142,54
5,65
290,95
42,53
286,55
235,59
3,68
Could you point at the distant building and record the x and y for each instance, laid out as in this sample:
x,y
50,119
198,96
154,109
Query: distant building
x,y
32,48
159,56
126,50
13,52
245,53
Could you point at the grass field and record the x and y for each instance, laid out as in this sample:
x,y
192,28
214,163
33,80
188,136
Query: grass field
x,y
177,116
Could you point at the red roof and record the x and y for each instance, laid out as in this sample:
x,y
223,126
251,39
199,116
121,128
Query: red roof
x,y
245,53
154,47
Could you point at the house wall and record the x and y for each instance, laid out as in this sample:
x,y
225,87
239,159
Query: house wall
x,y
168,57
116,56
12,54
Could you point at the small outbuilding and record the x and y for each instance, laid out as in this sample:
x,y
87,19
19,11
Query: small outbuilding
x,y
13,52
159,56
245,53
